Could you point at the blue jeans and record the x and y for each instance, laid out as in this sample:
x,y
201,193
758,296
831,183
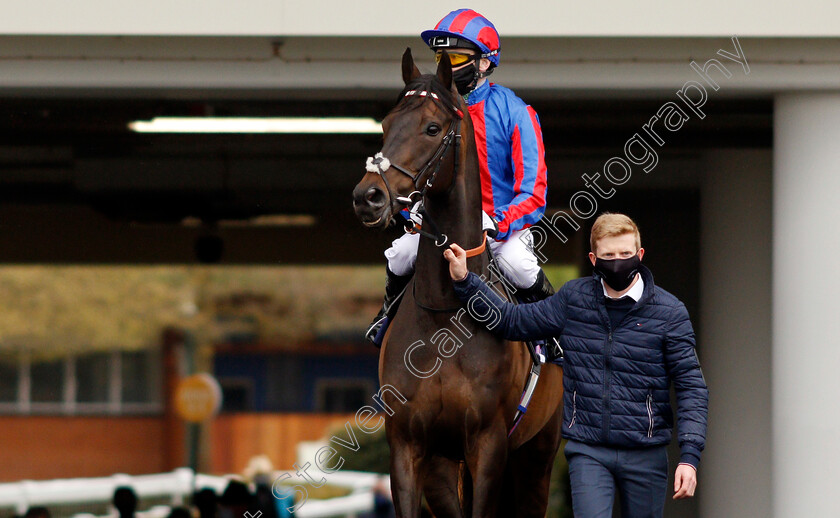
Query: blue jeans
x,y
639,475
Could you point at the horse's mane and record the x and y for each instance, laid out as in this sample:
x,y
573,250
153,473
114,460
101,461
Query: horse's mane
x,y
427,82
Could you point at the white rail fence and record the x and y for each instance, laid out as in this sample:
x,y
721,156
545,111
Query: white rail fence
x,y
177,487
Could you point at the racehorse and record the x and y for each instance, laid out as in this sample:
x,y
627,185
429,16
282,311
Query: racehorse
x,y
450,439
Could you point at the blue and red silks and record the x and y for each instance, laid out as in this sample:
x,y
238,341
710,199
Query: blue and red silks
x,y
511,158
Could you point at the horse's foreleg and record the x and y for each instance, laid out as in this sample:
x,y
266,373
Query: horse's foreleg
x,y
405,479
530,466
466,491
486,458
440,486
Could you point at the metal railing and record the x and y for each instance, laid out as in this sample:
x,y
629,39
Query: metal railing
x,y
88,495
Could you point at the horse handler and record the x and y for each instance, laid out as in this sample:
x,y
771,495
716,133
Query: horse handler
x,y
625,341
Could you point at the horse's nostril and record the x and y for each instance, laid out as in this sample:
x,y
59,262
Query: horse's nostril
x,y
375,197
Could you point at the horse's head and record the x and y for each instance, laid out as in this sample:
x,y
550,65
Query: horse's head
x,y
419,145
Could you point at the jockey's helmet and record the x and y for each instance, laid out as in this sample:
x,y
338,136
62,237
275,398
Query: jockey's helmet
x,y
465,28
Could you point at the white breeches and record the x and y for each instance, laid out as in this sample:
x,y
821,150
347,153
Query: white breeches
x,y
516,260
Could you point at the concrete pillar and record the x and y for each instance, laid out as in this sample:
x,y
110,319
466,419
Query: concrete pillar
x,y
734,333
806,289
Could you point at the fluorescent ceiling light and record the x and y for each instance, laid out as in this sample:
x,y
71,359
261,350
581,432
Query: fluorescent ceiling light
x,y
256,125
277,220
269,220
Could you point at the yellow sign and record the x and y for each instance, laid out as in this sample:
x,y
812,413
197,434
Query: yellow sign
x,y
198,397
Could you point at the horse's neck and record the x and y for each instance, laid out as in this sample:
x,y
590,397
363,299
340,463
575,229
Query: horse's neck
x,y
457,213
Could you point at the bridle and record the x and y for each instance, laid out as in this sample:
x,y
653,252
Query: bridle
x,y
378,164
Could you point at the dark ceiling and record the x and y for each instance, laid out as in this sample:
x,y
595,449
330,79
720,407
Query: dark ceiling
x,y
78,153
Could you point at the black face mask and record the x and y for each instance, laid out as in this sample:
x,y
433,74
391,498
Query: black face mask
x,y
465,79
618,273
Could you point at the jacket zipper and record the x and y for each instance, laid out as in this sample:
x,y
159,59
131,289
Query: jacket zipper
x,y
607,387
606,397
650,413
574,409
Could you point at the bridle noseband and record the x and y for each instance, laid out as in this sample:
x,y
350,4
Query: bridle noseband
x,y
379,163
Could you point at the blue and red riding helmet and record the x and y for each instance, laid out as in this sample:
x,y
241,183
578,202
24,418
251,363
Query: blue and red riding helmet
x,y
465,28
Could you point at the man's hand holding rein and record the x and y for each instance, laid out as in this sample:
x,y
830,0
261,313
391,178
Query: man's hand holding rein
x,y
457,258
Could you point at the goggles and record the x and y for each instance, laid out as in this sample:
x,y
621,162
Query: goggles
x,y
455,58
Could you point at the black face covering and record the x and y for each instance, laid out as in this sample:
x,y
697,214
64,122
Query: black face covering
x,y
618,273
465,79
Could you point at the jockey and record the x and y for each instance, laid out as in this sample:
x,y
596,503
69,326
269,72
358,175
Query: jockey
x,y
511,162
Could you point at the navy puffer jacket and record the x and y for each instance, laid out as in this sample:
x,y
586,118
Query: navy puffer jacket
x,y
616,381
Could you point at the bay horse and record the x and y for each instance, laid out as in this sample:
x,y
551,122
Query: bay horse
x,y
449,440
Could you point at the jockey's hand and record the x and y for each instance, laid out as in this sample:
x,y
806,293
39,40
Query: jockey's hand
x,y
457,258
490,225
493,232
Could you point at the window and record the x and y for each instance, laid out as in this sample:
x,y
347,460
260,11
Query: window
x,y
105,382
341,395
47,385
237,394
140,377
93,375
9,379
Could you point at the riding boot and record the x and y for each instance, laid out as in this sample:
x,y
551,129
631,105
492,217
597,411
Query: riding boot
x,y
542,289
394,287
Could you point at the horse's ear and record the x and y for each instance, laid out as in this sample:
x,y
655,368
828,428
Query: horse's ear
x,y
409,69
444,70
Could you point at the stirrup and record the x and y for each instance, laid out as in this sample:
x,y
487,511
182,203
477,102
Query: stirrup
x,y
374,332
380,333
554,351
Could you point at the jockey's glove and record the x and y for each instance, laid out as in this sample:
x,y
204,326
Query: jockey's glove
x,y
490,225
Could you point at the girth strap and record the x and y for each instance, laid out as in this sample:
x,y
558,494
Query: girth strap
x,y
527,394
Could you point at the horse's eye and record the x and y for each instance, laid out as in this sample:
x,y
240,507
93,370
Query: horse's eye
x,y
432,129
